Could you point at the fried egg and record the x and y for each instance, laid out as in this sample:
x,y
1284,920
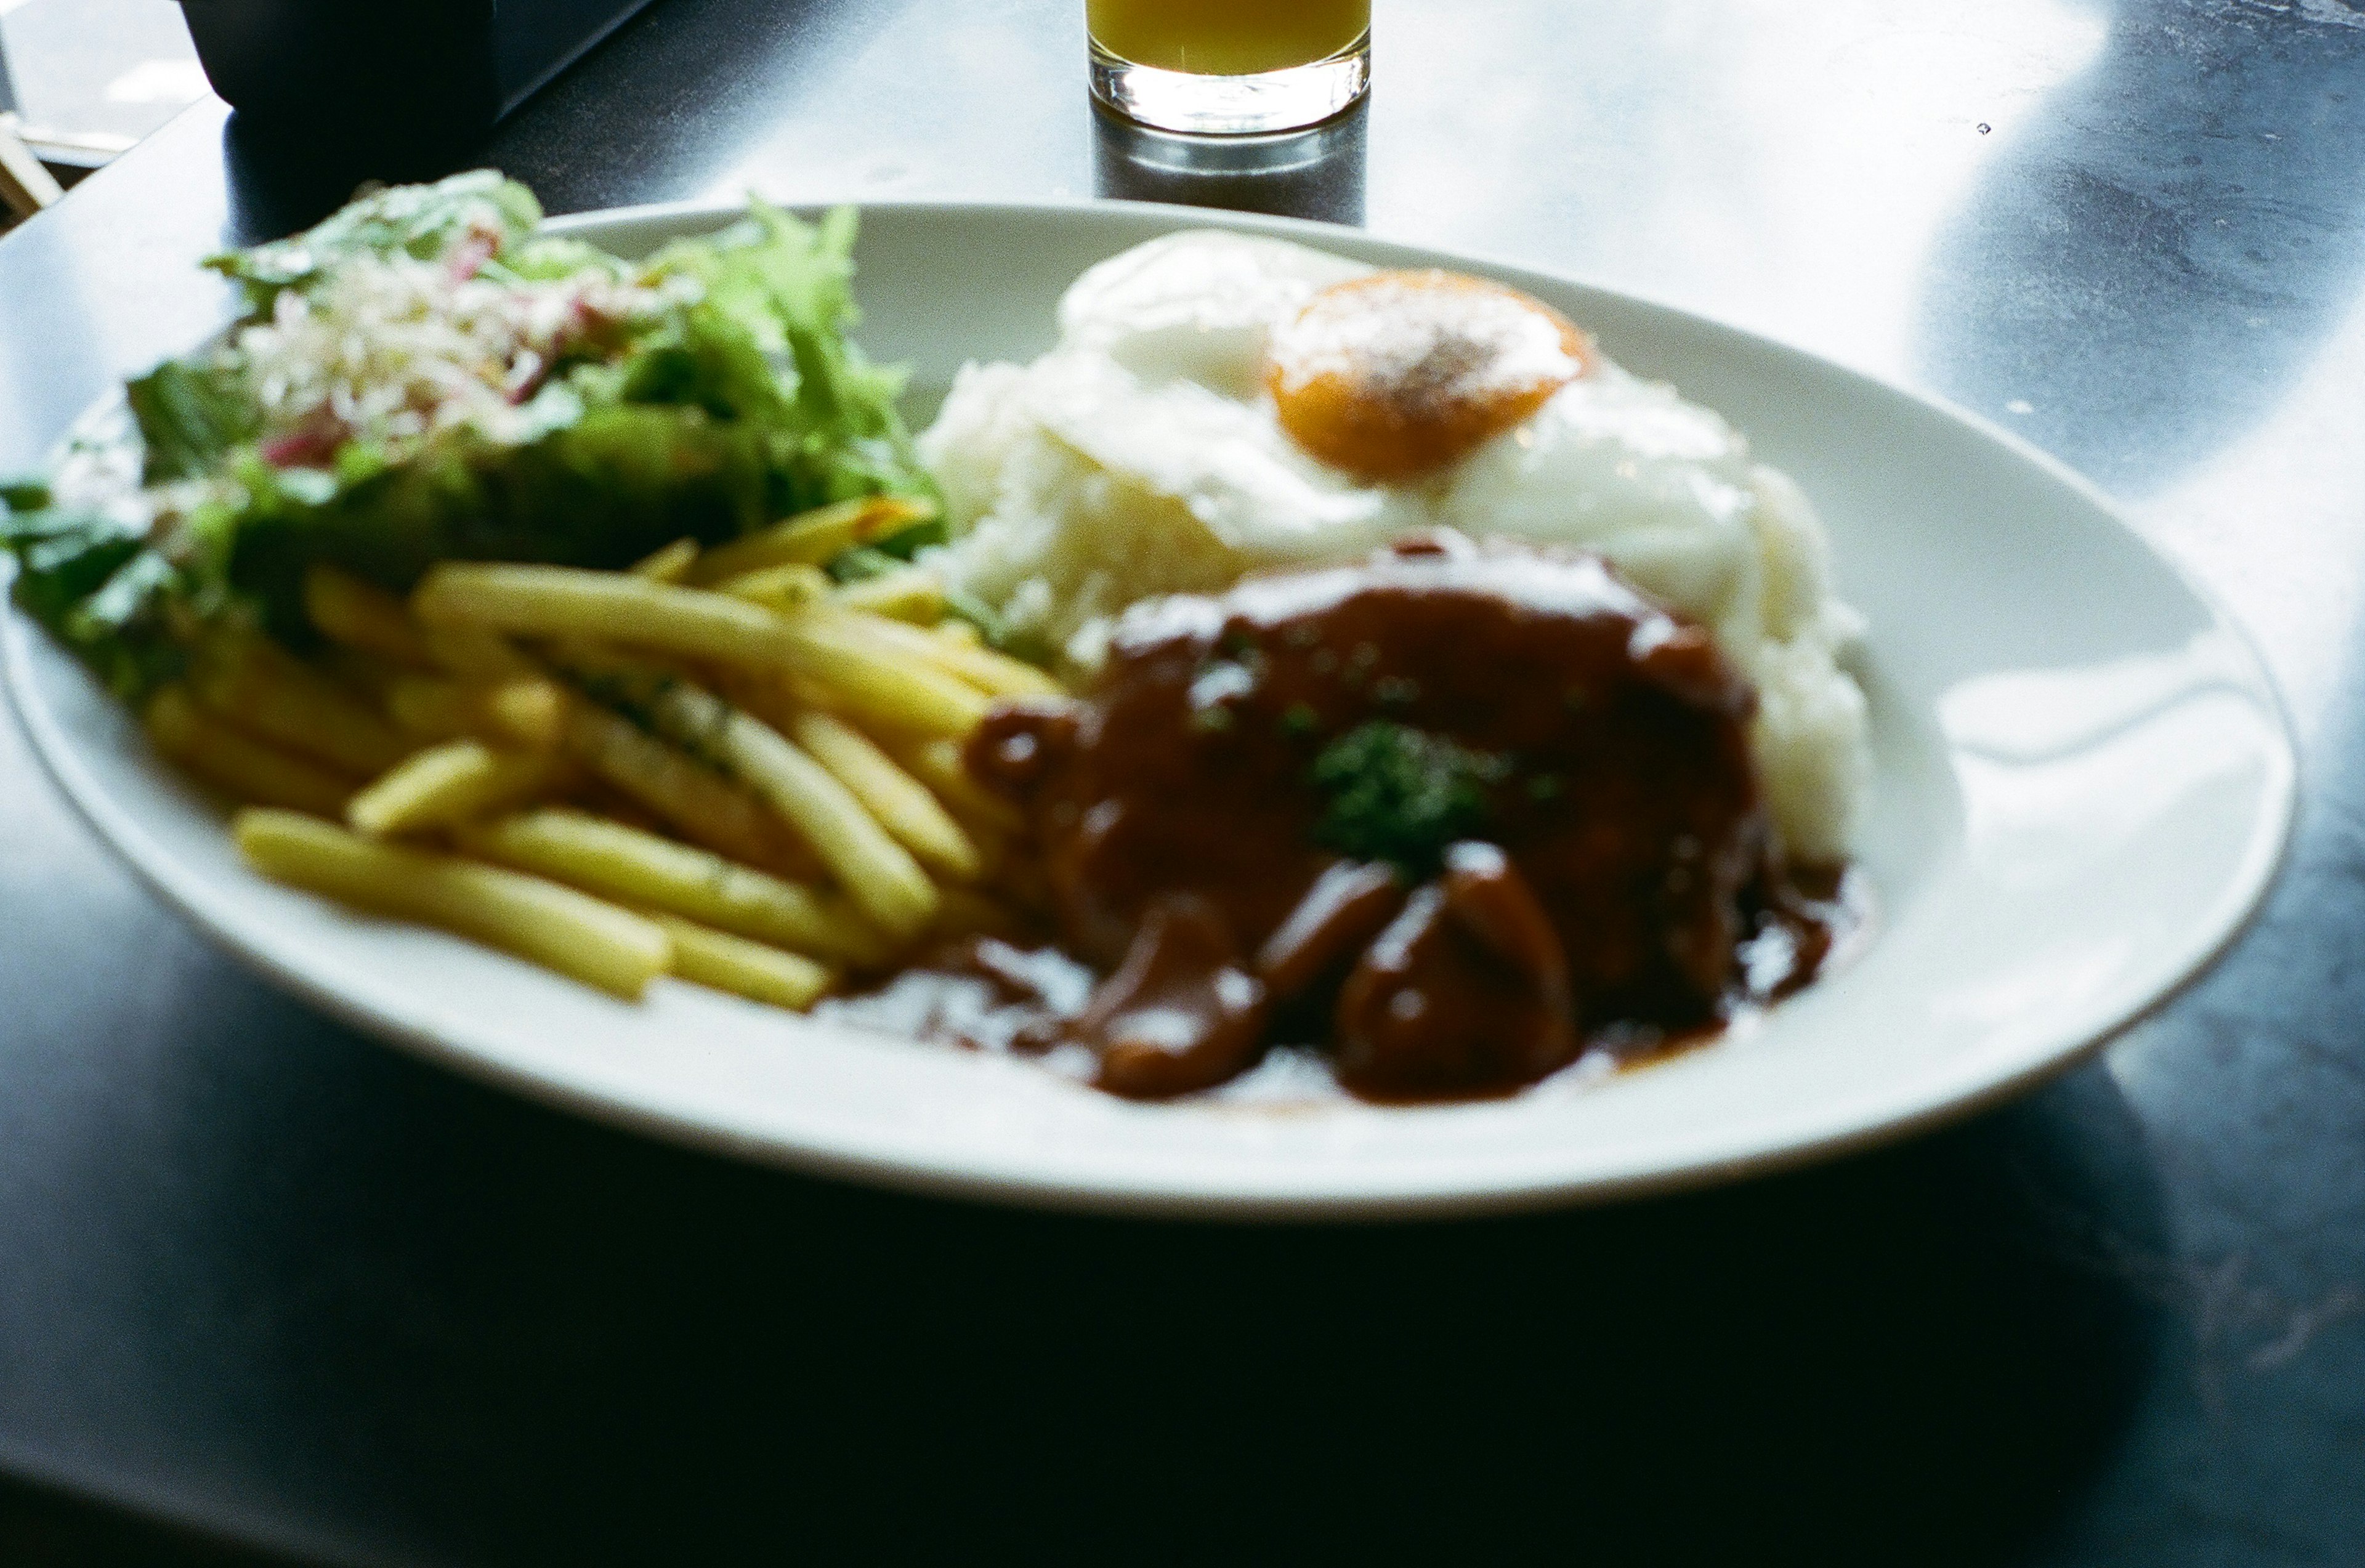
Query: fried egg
x,y
1396,375
1218,404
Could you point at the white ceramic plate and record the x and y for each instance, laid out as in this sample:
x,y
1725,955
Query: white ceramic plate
x,y
2084,784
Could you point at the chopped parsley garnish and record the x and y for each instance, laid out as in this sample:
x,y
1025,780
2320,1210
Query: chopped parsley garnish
x,y
1402,795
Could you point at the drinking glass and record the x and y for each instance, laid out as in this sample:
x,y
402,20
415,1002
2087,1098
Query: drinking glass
x,y
1229,67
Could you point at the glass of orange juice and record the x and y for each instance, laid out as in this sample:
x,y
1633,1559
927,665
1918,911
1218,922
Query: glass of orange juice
x,y
1229,67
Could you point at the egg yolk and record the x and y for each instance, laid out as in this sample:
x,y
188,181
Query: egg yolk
x,y
1397,374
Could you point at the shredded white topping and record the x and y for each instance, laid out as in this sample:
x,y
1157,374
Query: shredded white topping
x,y
391,350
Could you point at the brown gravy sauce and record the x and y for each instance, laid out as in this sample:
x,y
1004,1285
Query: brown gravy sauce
x,y
981,994
1601,888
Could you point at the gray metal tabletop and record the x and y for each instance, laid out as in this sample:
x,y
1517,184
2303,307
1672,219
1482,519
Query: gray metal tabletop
x,y
265,1278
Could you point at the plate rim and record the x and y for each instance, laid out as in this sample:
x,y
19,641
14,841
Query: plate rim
x,y
1959,1096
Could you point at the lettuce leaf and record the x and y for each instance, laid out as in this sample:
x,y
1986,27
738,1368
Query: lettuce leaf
x,y
192,414
98,588
424,221
768,340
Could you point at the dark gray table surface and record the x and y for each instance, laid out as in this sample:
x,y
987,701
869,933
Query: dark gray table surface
x,y
269,1279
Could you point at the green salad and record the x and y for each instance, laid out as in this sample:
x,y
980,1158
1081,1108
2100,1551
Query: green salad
x,y
425,377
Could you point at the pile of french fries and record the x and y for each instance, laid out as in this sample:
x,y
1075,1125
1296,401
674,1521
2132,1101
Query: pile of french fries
x,y
719,765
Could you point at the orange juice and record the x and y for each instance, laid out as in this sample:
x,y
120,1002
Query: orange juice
x,y
1227,38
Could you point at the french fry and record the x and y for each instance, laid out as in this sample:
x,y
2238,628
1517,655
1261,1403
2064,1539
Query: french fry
x,y
447,784
877,873
912,594
725,962
998,675
787,588
430,708
262,687
233,761
566,601
813,537
835,752
595,796
356,614
901,803
881,687
938,764
875,681
770,696
782,703
554,927
670,565
696,801
988,822
366,675
632,867
532,712
472,653
529,711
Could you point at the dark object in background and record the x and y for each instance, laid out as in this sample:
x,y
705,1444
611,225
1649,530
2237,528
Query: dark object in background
x,y
447,69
